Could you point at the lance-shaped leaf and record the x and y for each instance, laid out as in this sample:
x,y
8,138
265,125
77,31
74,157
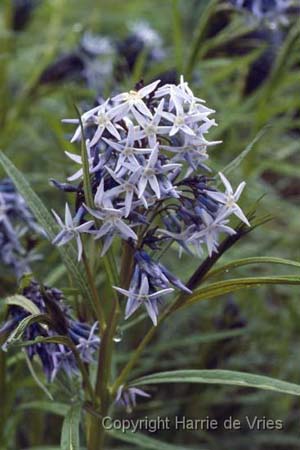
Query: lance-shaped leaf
x,y
223,377
70,430
257,260
225,287
142,441
18,332
59,409
23,302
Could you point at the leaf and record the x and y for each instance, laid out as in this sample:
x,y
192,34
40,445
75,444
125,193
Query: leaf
x,y
238,160
87,185
70,429
224,377
42,448
142,441
60,409
199,35
48,448
17,333
35,376
45,219
23,302
225,287
252,260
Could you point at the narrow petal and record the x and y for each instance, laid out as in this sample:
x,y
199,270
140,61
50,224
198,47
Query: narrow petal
x,y
226,183
68,216
85,226
107,243
125,230
76,175
148,89
154,185
103,230
141,107
239,213
58,219
151,311
131,306
239,190
122,291
97,135
79,247
144,289
112,129
128,202
74,157
142,185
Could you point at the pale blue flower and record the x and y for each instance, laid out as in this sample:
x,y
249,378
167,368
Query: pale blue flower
x,y
229,199
70,229
126,396
139,294
132,101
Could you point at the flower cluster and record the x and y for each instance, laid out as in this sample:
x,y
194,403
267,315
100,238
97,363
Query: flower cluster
x,y
54,357
16,227
271,12
147,154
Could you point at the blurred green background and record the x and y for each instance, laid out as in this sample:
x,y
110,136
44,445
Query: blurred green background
x,y
249,72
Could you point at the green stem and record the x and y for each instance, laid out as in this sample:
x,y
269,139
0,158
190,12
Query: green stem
x,y
96,300
2,393
102,391
139,350
126,265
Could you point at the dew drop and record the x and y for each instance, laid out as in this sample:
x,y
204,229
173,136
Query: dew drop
x,y
118,336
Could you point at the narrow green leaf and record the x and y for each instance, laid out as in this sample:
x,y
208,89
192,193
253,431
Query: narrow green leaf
x,y
45,219
17,333
225,287
87,186
142,441
36,377
224,377
42,448
70,430
59,409
23,302
253,260
48,448
199,35
238,160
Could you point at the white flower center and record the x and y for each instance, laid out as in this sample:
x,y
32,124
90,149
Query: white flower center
x,y
148,173
113,217
150,129
133,97
128,151
103,120
230,201
128,187
179,121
